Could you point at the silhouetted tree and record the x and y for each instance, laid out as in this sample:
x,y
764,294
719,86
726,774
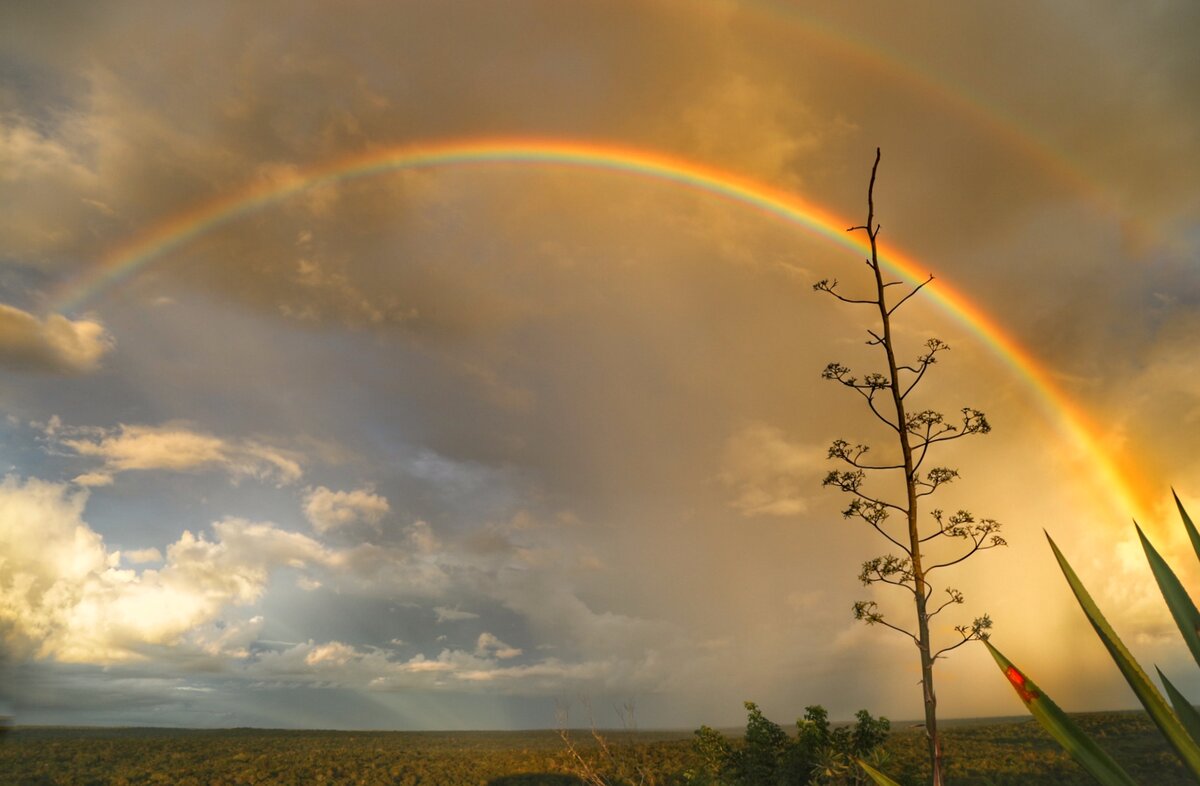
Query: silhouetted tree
x,y
913,433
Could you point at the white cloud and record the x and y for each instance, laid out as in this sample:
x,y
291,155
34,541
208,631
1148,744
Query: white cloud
x,y
327,510
55,344
769,475
488,644
63,594
453,615
93,479
141,556
333,652
175,447
228,639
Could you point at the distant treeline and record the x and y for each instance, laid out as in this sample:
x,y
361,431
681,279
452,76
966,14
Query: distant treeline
x,y
978,754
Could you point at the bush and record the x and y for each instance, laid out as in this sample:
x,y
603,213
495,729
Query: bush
x,y
768,756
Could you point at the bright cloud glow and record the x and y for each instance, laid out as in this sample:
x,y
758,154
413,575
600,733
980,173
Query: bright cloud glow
x,y
63,595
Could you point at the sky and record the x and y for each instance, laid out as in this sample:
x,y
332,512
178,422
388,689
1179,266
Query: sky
x,y
444,365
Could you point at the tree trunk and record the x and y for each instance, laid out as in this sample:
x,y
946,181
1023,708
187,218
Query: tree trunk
x,y
920,591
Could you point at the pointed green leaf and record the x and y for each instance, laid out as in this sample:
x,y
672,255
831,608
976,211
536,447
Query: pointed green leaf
x,y
1188,715
1178,601
876,775
1091,756
1193,535
1147,694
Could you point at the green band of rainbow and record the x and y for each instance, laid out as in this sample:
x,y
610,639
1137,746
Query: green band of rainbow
x,y
1123,486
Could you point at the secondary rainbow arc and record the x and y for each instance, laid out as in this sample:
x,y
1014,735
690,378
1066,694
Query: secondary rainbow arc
x,y
961,99
126,260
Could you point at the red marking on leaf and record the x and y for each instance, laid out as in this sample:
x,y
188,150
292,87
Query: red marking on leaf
x,y
1017,679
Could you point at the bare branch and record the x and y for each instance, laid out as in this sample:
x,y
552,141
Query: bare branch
x,y
980,534
926,360
956,598
979,630
889,569
865,610
830,287
915,290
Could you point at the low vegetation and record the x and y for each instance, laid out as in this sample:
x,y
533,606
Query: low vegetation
x,y
977,754
817,753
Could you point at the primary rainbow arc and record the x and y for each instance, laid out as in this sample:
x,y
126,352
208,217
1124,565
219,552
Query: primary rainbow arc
x,y
126,260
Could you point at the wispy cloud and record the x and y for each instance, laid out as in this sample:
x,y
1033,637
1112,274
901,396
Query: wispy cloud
x,y
174,447
445,614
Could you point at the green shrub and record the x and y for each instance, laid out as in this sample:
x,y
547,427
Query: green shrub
x,y
818,754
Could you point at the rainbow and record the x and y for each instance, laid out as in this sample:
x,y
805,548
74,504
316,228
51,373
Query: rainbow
x,y
874,55
123,262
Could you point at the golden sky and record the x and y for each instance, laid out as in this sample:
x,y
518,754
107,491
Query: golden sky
x,y
439,446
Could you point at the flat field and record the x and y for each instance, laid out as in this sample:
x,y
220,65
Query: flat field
x,y
979,753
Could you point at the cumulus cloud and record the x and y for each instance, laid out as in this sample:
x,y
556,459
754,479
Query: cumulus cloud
x,y
328,510
175,447
141,556
63,594
228,639
489,644
54,344
769,475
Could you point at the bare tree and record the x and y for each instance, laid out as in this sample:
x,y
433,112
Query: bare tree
x,y
915,433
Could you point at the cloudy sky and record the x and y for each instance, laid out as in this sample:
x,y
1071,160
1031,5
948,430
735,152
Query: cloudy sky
x,y
447,446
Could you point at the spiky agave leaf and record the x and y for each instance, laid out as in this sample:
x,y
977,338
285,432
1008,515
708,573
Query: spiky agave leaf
x,y
1178,601
875,774
1187,750
1193,535
1065,731
1188,715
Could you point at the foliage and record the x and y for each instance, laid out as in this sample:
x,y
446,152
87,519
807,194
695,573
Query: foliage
x,y
993,753
607,763
819,753
913,435
237,757
1177,721
1019,752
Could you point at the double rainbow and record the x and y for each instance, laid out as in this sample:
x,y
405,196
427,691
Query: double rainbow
x,y
1121,483
960,99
